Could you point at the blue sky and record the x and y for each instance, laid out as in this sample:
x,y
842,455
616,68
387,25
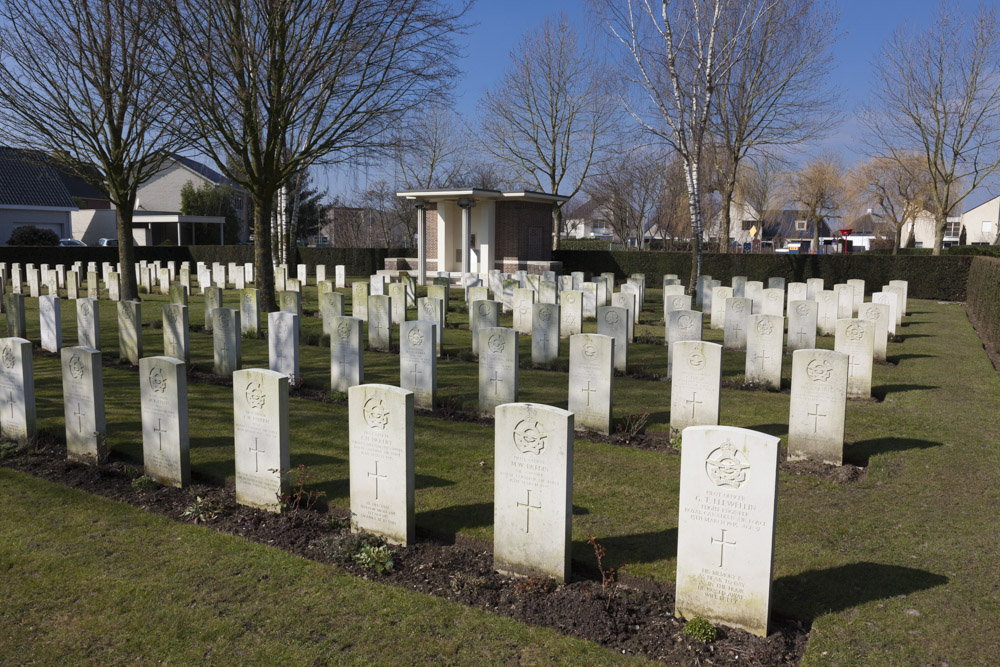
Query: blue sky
x,y
499,25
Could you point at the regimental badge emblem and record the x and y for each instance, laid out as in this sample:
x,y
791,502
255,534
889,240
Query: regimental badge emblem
x,y
773,296
416,337
802,309
281,326
344,330
429,308
496,343
248,298
738,307
855,332
679,303
819,370
484,310
589,350
85,313
872,313
529,437
157,380
544,314
611,317
127,310
685,322
375,414
223,319
76,367
570,298
764,327
727,467
696,360
255,395
8,357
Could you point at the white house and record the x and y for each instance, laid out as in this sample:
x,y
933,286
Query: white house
x,y
924,228
161,194
981,222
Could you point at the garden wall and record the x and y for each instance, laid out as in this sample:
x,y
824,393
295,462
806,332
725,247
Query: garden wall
x,y
984,301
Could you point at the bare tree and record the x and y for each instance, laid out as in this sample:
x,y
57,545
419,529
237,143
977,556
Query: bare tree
x,y
431,149
820,187
763,185
677,52
937,94
671,214
627,193
275,86
552,115
898,188
773,97
88,85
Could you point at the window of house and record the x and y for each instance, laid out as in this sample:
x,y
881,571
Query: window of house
x,y
986,227
953,228
747,224
800,225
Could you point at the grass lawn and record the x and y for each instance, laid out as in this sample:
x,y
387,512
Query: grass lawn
x,y
897,569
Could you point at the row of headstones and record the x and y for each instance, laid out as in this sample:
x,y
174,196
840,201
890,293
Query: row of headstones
x,y
532,486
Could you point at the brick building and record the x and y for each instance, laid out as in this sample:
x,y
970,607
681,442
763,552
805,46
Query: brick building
x,y
474,231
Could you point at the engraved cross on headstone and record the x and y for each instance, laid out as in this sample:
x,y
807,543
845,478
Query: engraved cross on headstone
x,y
159,430
496,380
693,402
722,545
589,391
79,414
854,362
802,333
762,357
377,477
816,415
415,373
257,451
527,511
343,362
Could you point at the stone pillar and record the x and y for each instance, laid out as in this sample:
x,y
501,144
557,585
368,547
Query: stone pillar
x,y
421,241
465,205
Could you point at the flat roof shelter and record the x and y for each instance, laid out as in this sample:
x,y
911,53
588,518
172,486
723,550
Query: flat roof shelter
x,y
152,228
473,230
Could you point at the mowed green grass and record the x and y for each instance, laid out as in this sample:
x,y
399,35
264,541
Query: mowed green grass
x,y
898,569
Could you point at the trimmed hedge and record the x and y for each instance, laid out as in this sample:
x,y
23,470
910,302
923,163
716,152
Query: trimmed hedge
x,y
984,299
942,278
356,261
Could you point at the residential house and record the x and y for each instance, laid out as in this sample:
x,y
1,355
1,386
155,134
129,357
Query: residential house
x,y
775,229
923,229
586,222
982,222
32,193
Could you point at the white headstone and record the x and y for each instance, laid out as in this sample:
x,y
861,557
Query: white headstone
x,y
88,323
533,490
498,368
482,314
818,406
213,300
50,322
432,309
802,325
397,302
890,301
774,302
17,391
340,276
227,341
796,292
379,323
856,338
826,314
681,325
571,313
176,341
418,362
83,405
695,384
165,447
877,313
260,416
725,531
718,312
737,319
347,366
359,301
250,312
765,335
813,286
130,331
591,380
613,322
544,334
524,299
283,345
381,461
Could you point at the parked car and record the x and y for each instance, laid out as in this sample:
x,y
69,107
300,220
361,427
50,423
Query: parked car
x,y
107,242
71,243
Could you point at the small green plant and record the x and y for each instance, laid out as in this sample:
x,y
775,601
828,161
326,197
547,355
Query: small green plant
x,y
7,449
378,559
700,629
467,582
299,497
201,510
143,483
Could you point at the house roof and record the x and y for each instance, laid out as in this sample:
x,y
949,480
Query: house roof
x,y
26,181
584,211
865,225
204,171
454,194
781,223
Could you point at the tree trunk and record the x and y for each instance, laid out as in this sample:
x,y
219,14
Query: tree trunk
x,y
897,238
694,207
557,220
941,221
263,269
815,239
727,218
128,290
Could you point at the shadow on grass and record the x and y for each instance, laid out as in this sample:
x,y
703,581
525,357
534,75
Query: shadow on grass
x,y
896,358
430,482
636,548
812,594
446,522
860,452
881,391
337,488
310,460
902,338
777,430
